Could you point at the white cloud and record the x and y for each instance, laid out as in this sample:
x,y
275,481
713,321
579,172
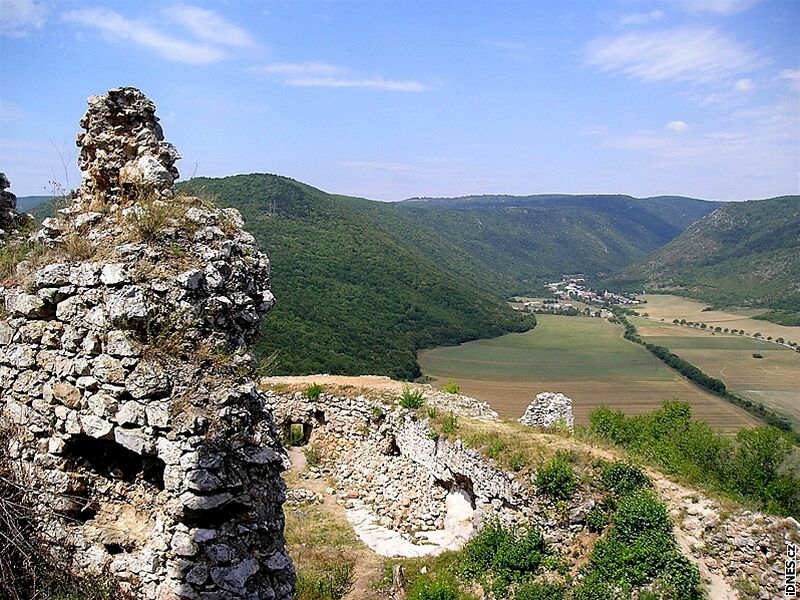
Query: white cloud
x,y
720,7
325,75
641,18
18,17
744,85
208,26
792,76
298,69
677,126
118,28
695,55
392,85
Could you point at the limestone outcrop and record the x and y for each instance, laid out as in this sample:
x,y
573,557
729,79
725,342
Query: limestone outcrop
x,y
549,410
126,381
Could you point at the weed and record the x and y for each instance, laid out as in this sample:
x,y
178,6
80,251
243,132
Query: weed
x,y
313,391
449,424
313,457
412,399
451,387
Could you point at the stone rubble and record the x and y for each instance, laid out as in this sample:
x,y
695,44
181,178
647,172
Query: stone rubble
x,y
124,376
744,547
549,410
387,465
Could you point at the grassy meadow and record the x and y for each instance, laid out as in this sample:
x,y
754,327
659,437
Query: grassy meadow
x,y
585,358
773,379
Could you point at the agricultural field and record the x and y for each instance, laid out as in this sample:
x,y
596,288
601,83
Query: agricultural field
x,y
585,358
667,307
773,379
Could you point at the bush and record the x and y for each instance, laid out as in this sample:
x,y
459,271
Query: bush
x,y
451,387
639,551
754,465
556,478
757,355
498,556
641,513
313,391
441,586
533,590
597,519
622,478
412,399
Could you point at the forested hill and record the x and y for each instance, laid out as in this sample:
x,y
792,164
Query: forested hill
x,y
531,239
744,253
359,286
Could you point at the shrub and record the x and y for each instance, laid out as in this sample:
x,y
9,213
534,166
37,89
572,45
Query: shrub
x,y
442,586
639,551
753,465
333,583
597,519
622,478
412,399
451,387
757,355
534,590
449,423
556,478
641,513
499,556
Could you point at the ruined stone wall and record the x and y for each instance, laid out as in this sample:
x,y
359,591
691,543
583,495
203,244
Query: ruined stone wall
x,y
126,379
549,410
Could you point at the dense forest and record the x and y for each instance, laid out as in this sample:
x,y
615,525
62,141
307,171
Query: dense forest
x,y
357,293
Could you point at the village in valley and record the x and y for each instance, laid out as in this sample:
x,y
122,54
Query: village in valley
x,y
571,296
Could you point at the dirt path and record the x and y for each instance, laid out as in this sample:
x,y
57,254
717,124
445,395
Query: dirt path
x,y
368,566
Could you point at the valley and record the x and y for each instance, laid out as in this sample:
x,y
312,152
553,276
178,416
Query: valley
x,y
585,358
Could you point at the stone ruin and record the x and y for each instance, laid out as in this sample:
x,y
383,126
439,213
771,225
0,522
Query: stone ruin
x,y
549,410
10,221
126,381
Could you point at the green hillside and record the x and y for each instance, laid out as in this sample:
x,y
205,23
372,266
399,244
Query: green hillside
x,y
744,253
359,286
533,239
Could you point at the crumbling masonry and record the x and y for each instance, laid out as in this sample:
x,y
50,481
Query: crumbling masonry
x,y
126,380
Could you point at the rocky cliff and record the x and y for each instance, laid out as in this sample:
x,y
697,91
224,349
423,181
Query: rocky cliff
x,y
126,382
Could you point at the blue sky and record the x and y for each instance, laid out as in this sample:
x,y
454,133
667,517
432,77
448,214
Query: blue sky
x,y
390,100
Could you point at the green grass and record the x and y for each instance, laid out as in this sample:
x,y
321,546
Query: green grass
x,y
551,351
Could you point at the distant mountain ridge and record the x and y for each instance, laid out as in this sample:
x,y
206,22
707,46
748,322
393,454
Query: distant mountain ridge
x,y
531,239
745,253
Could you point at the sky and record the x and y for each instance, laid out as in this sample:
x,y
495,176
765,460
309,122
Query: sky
x,y
391,100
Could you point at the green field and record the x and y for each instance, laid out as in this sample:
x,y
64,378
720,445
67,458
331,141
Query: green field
x,y
584,358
